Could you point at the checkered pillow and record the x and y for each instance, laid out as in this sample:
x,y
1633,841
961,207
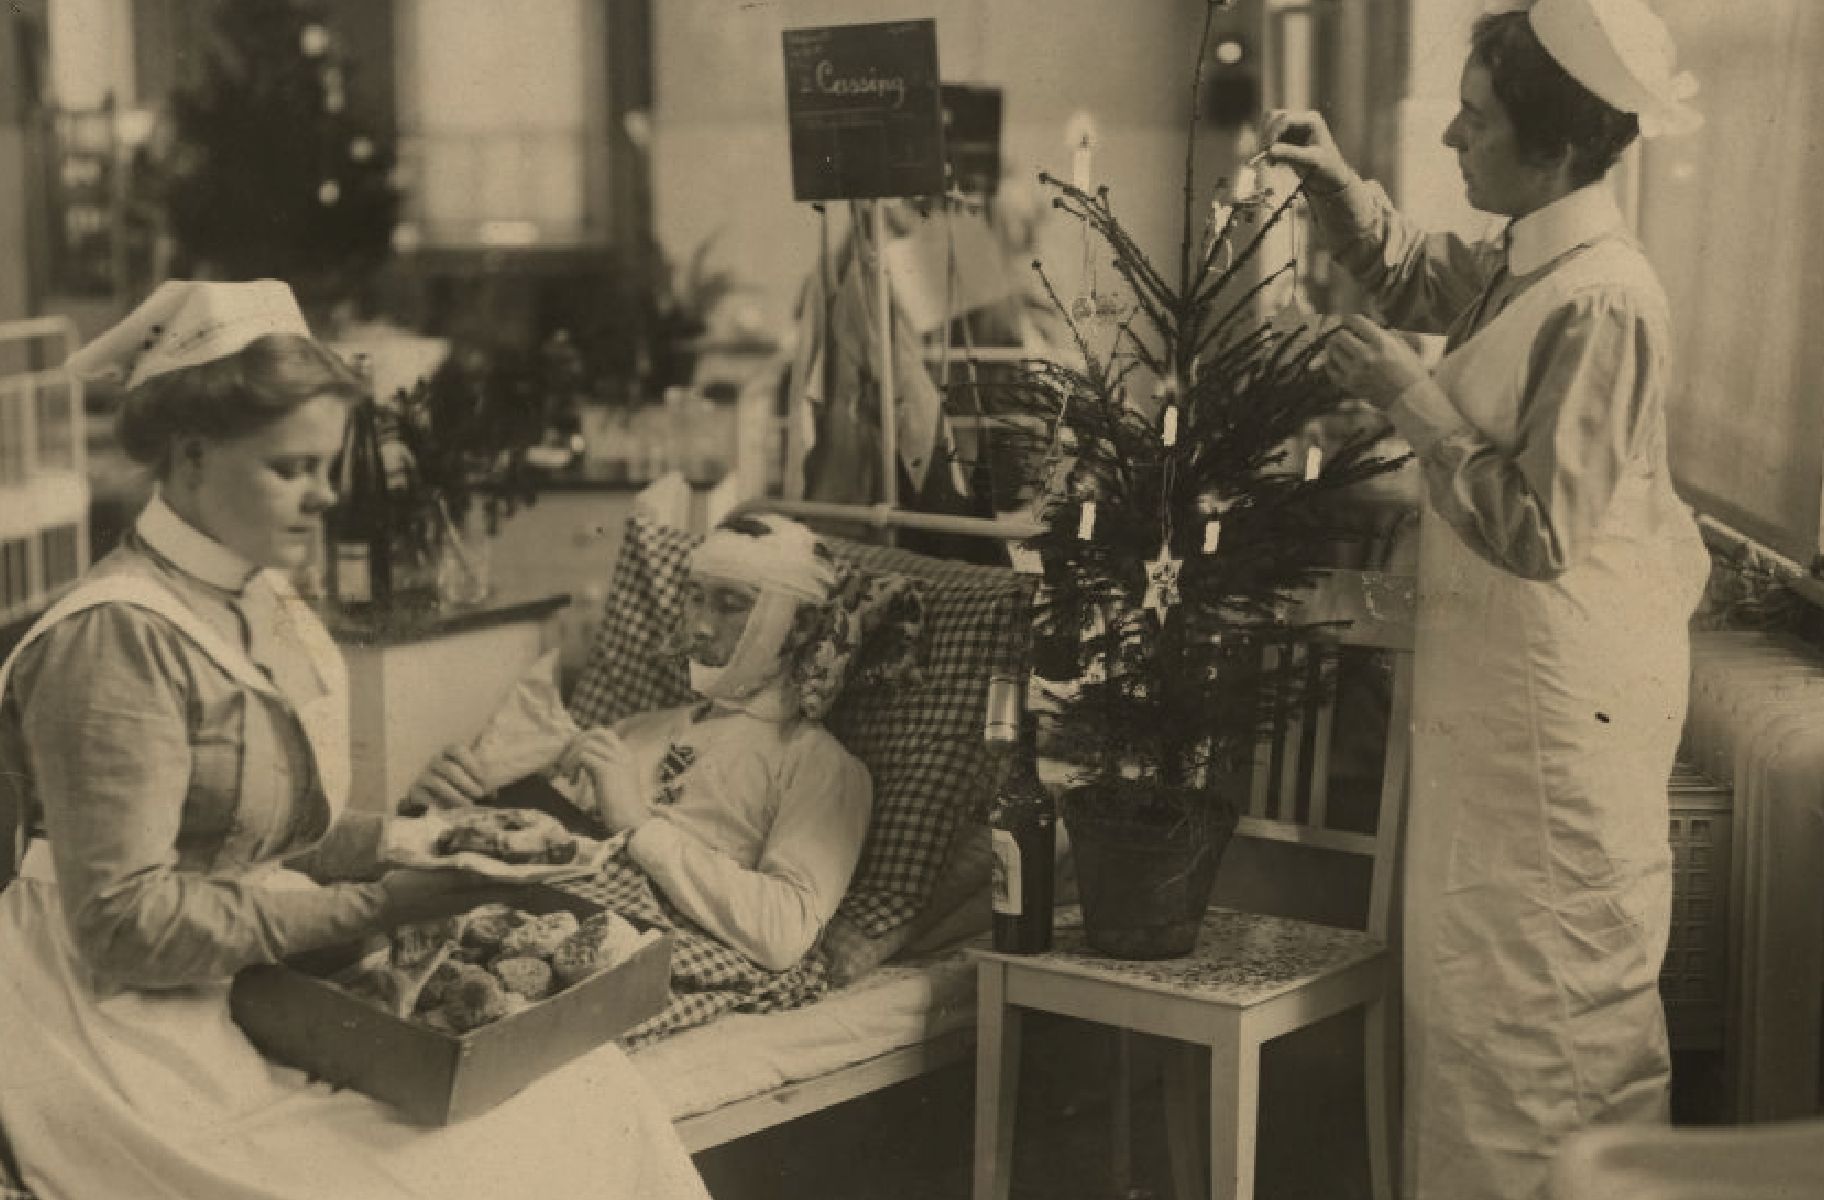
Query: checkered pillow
x,y
922,745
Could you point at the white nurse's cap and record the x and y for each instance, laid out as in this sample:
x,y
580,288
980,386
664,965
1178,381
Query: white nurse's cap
x,y
185,323
1622,52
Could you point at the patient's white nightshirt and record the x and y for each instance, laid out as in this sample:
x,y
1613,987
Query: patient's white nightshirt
x,y
758,823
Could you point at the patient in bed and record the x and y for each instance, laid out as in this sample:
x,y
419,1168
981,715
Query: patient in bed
x,y
745,816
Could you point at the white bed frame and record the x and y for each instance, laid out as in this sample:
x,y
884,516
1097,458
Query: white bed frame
x,y
767,1109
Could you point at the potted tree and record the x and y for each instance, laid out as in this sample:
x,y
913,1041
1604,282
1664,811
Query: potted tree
x,y
1177,536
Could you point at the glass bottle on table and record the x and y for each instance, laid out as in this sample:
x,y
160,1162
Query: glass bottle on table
x,y
357,528
1022,825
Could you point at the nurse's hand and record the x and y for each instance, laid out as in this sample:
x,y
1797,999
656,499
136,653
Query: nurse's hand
x,y
410,894
1369,363
610,767
1302,141
453,780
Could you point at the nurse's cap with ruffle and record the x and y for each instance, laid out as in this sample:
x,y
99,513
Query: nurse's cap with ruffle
x,y
1622,52
185,323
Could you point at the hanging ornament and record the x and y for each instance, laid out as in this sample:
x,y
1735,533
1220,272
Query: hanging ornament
x,y
329,192
361,149
1086,521
1162,583
313,40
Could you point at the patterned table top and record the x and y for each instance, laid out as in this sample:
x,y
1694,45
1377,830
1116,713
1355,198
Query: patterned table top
x,y
1241,959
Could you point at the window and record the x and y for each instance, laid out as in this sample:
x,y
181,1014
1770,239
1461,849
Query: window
x,y
1731,218
503,120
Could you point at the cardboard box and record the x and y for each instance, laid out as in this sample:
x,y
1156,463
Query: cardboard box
x,y
296,1017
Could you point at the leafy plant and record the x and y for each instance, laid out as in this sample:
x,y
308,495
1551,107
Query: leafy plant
x,y
467,429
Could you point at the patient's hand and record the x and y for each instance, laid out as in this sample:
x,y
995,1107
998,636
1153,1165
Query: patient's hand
x,y
453,780
611,768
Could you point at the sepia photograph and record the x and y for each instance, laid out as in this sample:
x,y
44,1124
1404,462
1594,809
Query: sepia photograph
x,y
911,599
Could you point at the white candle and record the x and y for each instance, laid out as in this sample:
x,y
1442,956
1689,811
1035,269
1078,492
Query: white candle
x,y
1314,461
1169,435
1212,535
1086,521
1080,173
1247,182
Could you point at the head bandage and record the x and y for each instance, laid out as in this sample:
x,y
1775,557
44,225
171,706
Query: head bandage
x,y
186,323
788,565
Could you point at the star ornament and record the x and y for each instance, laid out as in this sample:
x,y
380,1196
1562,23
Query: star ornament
x,y
1162,583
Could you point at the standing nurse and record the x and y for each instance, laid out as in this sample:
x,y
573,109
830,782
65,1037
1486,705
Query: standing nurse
x,y
1558,571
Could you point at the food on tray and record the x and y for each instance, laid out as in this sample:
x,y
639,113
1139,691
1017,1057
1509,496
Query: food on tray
x,y
524,976
461,973
510,835
472,999
602,941
540,937
486,926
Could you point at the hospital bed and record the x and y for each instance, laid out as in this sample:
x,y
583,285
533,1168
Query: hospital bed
x,y
904,994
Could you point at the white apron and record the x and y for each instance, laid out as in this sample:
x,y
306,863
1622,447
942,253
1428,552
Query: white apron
x,y
1538,874
160,1095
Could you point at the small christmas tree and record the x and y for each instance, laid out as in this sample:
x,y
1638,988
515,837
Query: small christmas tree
x,y
269,175
1183,530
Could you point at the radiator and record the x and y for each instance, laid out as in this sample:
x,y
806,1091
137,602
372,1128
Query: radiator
x,y
1756,726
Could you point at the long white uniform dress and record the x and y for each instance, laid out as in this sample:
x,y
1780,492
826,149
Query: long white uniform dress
x,y
170,778
1557,574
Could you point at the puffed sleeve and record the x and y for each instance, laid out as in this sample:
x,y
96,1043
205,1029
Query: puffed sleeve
x,y
105,696
1594,375
774,911
1421,282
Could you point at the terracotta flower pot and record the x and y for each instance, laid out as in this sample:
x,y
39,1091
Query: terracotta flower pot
x,y
1146,858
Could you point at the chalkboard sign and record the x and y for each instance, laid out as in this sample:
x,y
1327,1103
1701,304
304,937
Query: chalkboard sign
x,y
864,110
972,138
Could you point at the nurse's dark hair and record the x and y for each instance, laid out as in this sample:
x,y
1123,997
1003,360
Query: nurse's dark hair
x,y
1552,114
256,386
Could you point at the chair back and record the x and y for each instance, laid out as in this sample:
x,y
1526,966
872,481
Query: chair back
x,y
1354,668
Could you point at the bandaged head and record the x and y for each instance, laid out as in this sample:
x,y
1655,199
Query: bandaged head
x,y
787,567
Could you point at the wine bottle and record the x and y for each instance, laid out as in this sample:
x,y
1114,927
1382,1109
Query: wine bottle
x,y
359,533
1022,825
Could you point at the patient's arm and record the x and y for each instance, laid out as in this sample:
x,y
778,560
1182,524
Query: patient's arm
x,y
773,911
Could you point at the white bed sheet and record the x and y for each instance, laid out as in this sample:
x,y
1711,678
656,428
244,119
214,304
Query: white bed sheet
x,y
744,1054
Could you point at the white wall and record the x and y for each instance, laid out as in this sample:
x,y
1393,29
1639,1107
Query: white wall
x,y
1431,189
720,163
91,44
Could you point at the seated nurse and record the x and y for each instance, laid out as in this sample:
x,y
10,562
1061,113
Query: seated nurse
x,y
173,744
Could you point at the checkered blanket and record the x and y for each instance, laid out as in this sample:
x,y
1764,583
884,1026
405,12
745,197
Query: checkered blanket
x,y
707,977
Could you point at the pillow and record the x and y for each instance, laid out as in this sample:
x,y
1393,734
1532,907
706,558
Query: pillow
x,y
921,741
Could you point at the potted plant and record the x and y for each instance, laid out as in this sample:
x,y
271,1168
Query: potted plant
x,y
466,435
1177,536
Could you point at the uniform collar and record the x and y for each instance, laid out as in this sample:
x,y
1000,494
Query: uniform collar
x,y
191,550
1566,223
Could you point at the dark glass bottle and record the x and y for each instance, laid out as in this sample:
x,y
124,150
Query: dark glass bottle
x,y
1022,824
358,528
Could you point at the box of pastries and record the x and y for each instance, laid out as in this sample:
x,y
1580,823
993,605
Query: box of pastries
x,y
448,1018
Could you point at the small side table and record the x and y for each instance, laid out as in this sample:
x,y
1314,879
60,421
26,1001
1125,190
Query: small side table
x,y
1252,978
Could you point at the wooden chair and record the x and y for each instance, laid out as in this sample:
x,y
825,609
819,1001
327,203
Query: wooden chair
x,y
1290,802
